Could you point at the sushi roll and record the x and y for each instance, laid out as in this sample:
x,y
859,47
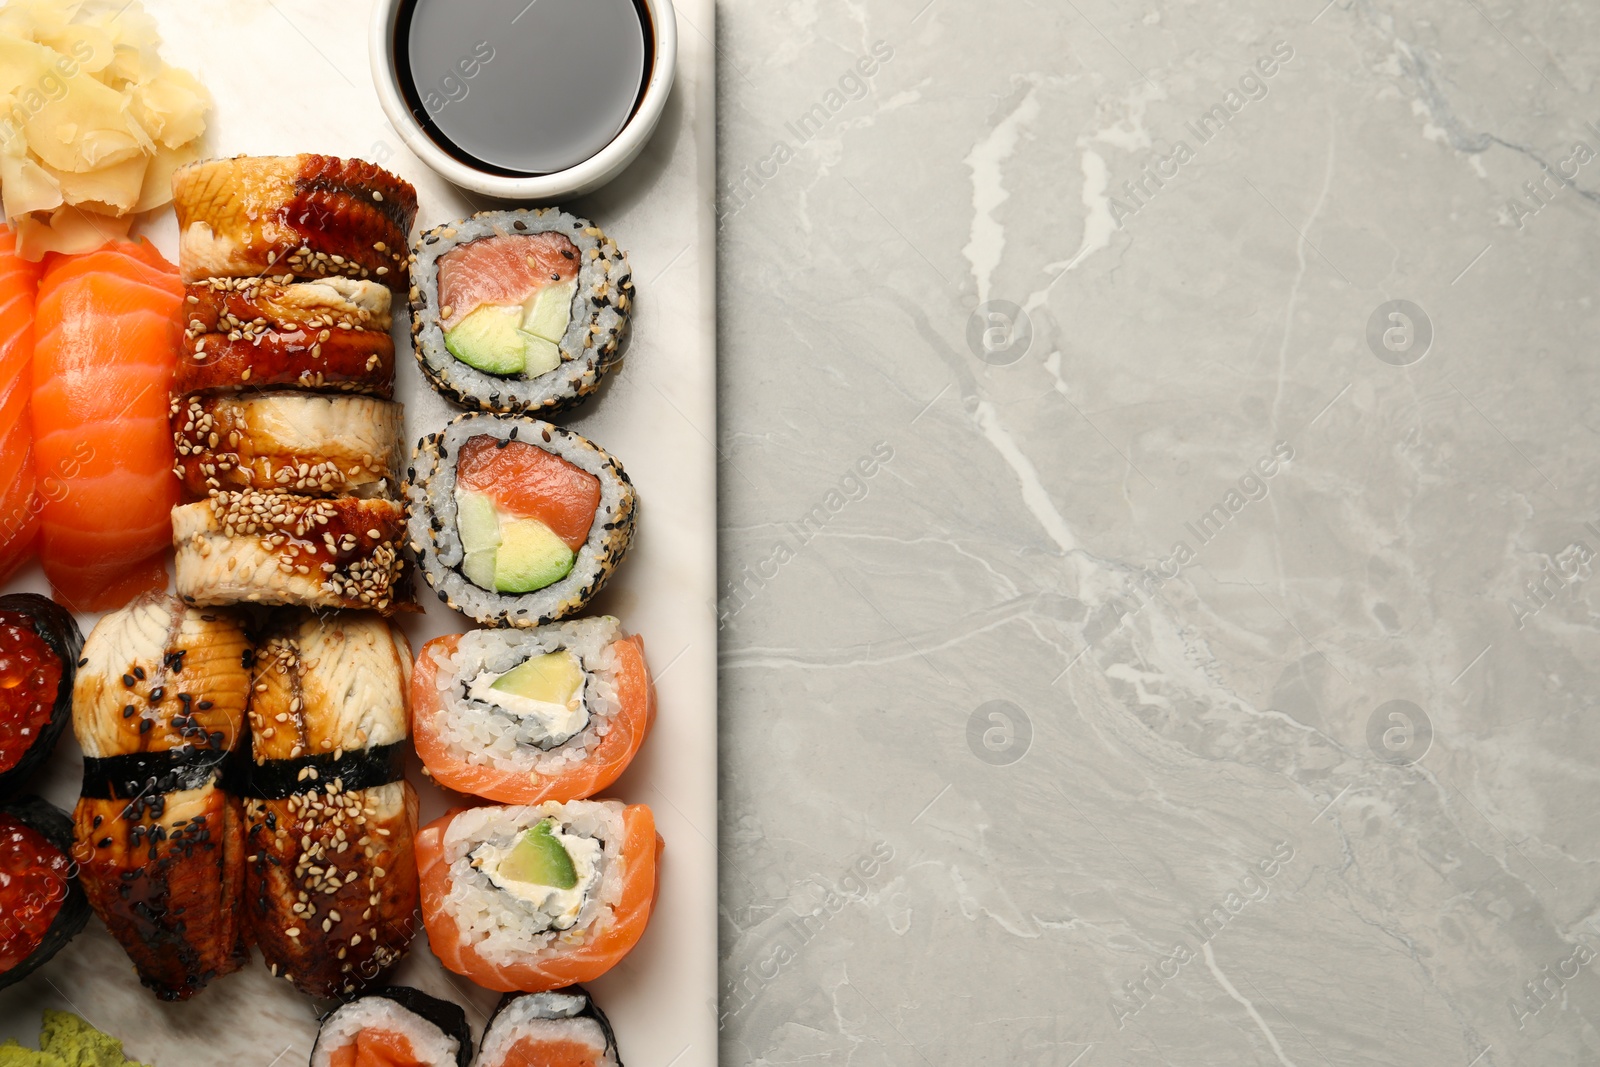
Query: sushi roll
x,y
537,897
518,311
394,1026
293,441
311,216
158,706
565,1026
39,646
331,879
330,335
524,716
277,548
42,907
516,522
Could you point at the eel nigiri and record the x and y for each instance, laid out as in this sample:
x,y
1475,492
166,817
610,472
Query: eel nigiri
x,y
554,713
107,332
539,897
331,882
158,706
19,506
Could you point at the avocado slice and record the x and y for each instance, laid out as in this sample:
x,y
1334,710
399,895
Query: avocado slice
x,y
539,859
553,678
490,340
551,312
479,526
530,557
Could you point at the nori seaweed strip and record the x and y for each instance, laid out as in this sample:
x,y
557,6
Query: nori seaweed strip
x,y
444,1014
55,826
150,773
59,631
590,1010
369,768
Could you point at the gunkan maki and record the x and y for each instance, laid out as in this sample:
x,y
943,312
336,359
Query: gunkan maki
x,y
42,907
39,647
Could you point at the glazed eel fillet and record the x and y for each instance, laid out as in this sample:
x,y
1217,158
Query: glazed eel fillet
x,y
331,878
158,704
329,335
311,216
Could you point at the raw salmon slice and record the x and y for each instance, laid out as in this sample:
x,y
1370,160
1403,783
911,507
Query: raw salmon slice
x,y
19,507
530,483
376,1048
107,330
502,270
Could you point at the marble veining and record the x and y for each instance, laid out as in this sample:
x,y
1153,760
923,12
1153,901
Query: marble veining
x,y
1207,677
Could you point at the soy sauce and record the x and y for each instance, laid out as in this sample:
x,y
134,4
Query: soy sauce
x,y
519,87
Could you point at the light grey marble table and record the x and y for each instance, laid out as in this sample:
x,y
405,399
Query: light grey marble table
x,y
1196,665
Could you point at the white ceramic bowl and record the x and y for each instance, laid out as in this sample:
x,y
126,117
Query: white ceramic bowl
x,y
544,188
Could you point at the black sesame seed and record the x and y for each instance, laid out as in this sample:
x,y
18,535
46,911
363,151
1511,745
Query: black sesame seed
x,y
205,705
145,724
127,681
127,712
138,672
157,693
84,662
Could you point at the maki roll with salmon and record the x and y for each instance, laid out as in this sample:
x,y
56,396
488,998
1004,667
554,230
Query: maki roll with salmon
x,y
39,646
42,907
288,440
516,522
524,716
518,311
331,879
394,1027
564,1027
264,547
330,335
158,706
538,897
311,216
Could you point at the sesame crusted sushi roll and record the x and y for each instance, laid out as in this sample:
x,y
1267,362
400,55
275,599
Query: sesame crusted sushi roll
x,y
300,442
516,522
330,335
394,1026
565,1026
277,548
330,878
311,216
540,897
524,716
518,311
158,707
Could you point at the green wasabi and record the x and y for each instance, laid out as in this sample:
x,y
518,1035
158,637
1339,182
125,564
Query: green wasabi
x,y
65,1040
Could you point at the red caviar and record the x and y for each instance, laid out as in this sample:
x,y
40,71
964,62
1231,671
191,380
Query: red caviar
x,y
33,883
30,677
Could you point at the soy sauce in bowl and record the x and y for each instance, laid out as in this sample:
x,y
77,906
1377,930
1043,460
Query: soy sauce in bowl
x,y
517,88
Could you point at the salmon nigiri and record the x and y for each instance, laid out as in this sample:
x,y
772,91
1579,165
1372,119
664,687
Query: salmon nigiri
x,y
107,331
540,897
19,509
554,713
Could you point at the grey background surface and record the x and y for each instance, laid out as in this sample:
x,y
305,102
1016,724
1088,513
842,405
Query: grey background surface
x,y
1009,776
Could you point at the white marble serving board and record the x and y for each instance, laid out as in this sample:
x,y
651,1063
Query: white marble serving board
x,y
292,76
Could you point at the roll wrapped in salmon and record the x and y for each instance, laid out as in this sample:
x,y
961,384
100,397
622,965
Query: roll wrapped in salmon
x,y
524,716
331,879
539,897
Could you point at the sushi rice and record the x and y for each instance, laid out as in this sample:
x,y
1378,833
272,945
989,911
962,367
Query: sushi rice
x,y
506,929
486,734
429,1044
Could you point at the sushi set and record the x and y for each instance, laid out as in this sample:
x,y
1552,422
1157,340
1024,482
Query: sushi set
x,y
334,632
